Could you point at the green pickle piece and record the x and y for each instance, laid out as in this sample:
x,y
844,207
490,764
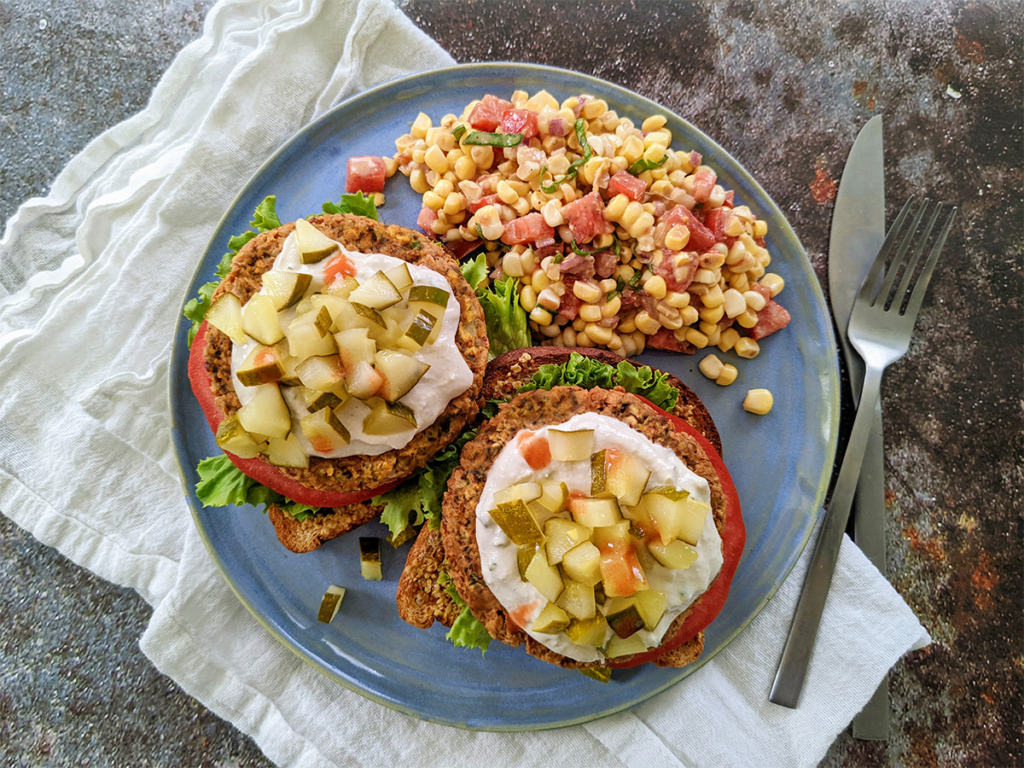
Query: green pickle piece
x,y
670,493
598,478
588,631
524,556
368,313
601,674
428,294
421,327
518,523
550,620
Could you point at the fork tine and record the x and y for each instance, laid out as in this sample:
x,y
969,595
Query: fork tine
x,y
922,240
917,297
867,289
897,260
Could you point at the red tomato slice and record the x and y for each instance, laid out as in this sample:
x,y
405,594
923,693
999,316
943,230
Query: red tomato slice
x,y
365,174
259,470
734,538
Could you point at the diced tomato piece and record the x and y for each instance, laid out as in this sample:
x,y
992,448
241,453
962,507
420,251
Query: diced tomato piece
x,y
585,217
570,305
365,174
485,200
701,238
730,197
463,247
426,219
339,267
486,116
625,183
764,290
620,569
772,318
703,182
535,450
714,222
522,121
665,339
677,279
527,229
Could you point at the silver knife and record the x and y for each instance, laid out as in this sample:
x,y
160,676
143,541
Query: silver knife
x,y
858,229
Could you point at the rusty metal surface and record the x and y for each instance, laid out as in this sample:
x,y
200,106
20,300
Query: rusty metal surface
x,y
784,87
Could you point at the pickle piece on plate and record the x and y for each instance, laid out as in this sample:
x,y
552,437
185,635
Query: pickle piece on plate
x,y
519,492
369,558
629,646
524,556
261,366
515,519
370,315
428,294
330,603
590,632
313,244
601,674
595,513
400,277
550,620
354,347
575,445
259,319
577,600
420,331
623,616
233,438
287,453
266,414
625,477
317,400
597,474
323,373
400,372
561,536
285,288
389,418
225,314
677,555
582,563
544,577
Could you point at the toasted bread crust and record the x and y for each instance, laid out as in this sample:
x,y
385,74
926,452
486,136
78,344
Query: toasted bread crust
x,y
355,473
421,600
311,533
533,410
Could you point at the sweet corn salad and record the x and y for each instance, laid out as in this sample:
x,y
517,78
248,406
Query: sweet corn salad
x,y
617,239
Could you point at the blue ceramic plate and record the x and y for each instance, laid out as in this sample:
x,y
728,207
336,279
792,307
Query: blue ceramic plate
x,y
781,462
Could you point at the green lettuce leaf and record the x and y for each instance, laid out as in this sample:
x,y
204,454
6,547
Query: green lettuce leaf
x,y
467,631
588,373
195,309
506,319
222,484
355,203
475,271
265,217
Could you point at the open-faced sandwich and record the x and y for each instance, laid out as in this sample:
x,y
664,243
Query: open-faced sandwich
x,y
336,357
590,518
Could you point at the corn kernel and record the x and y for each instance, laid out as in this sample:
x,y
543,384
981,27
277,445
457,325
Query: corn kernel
x,y
747,319
627,326
521,206
714,297
616,344
677,238
586,291
707,328
624,272
454,203
540,316
420,126
689,315
435,159
611,308
773,282
465,168
717,196
582,339
661,136
390,166
552,213
645,323
630,215
632,149
643,223
548,299
483,157
433,201
506,194
528,298
754,300
568,337
551,331
604,240
378,199
418,181
591,313
711,367
616,207
759,401
594,108
539,278
760,228
728,340
677,300
711,314
512,264
608,285
656,286
734,303
654,153
695,337
727,375
747,347
653,123
599,334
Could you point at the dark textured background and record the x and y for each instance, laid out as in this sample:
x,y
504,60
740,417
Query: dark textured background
x,y
784,88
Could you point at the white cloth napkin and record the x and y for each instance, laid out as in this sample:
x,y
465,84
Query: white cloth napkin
x,y
91,282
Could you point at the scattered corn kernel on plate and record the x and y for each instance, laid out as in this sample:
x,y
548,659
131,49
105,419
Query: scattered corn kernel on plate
x,y
781,460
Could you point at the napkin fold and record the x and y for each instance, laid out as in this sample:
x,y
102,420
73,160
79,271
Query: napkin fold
x,y
91,282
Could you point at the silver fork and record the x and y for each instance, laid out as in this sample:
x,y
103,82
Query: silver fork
x,y
880,329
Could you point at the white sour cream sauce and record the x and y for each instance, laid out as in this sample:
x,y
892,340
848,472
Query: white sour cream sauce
x,y
498,553
449,375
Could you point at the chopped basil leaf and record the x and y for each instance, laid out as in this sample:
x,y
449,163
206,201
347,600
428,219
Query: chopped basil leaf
x,y
484,139
581,252
634,281
642,165
581,137
617,248
558,258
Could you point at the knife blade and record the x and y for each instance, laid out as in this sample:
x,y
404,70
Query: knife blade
x,y
858,229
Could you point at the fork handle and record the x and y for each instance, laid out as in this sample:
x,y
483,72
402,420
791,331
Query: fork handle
x,y
796,654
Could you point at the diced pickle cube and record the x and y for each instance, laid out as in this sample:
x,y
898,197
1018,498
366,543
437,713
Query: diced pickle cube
x,y
285,288
355,346
601,674
628,646
598,480
583,564
561,536
524,555
651,604
428,295
400,277
544,577
519,492
324,431
400,373
388,419
594,513
676,554
330,604
574,445
624,618
266,414
225,314
550,620
554,496
232,438
369,558
377,292
364,382
577,600
313,244
420,330
625,477
373,320
590,632
287,452
318,400
692,524
518,523
308,335
261,366
259,319
322,372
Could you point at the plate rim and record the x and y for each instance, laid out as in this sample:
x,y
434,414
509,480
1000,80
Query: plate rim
x,y
833,404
